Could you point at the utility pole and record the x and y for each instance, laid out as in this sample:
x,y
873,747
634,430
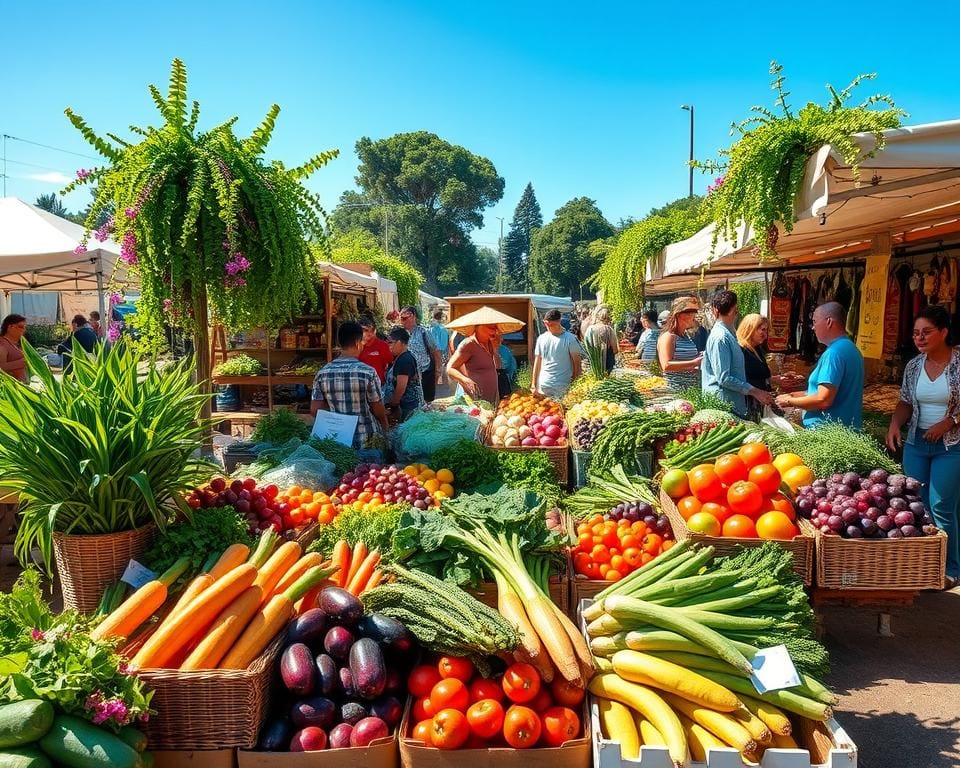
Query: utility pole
x,y
500,255
689,108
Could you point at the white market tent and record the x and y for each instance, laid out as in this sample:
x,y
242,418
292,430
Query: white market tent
x,y
38,253
909,191
430,303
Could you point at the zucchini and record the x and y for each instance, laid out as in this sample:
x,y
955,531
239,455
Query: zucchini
x,y
24,757
23,722
77,743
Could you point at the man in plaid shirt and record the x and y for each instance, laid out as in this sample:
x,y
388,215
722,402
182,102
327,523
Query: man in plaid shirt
x,y
347,386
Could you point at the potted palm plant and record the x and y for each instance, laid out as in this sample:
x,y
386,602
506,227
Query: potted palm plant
x,y
100,459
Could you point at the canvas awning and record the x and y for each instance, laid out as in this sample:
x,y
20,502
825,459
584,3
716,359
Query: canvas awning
x,y
347,278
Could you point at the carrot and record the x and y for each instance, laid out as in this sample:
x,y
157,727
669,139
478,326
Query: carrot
x,y
195,587
356,559
277,566
341,559
363,573
141,605
375,580
269,620
260,555
178,630
232,556
225,630
309,560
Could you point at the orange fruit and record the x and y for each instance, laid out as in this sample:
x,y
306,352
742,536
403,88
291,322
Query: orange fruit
x,y
730,468
674,484
775,525
705,523
688,505
740,527
445,476
745,498
780,503
766,477
753,454
785,461
294,490
718,510
797,477
704,483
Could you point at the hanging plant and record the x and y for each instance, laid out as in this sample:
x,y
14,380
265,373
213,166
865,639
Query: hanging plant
x,y
764,168
749,296
205,222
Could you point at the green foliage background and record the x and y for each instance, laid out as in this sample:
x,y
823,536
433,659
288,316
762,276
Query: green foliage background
x,y
360,246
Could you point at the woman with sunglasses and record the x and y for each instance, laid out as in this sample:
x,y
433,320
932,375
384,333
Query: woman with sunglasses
x,y
12,360
930,407
677,354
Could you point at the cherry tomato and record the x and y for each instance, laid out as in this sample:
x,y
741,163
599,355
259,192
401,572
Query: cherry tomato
x,y
632,557
521,682
455,667
485,718
450,694
566,694
422,709
422,731
450,728
616,563
560,725
521,727
422,679
652,543
485,689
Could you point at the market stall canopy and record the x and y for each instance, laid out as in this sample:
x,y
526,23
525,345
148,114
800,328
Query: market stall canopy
x,y
485,316
347,278
540,301
910,190
38,252
432,302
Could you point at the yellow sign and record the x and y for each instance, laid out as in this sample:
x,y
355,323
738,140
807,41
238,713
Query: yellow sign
x,y
873,298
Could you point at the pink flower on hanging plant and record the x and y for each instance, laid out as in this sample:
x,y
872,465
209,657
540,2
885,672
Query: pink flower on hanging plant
x,y
234,282
37,635
83,173
717,183
105,231
114,331
80,250
130,213
115,298
239,263
128,248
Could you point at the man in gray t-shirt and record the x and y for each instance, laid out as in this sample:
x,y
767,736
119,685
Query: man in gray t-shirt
x,y
557,358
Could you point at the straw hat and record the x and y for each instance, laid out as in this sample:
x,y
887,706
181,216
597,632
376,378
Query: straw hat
x,y
485,316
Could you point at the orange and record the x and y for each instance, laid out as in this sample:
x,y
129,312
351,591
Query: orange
x,y
294,490
780,503
674,484
797,477
785,461
688,505
445,476
718,510
740,527
446,489
745,498
704,483
775,525
705,523
766,477
753,454
730,468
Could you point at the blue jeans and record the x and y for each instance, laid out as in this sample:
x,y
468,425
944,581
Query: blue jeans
x,y
938,468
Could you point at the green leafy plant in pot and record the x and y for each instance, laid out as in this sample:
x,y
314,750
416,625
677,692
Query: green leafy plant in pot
x,y
100,459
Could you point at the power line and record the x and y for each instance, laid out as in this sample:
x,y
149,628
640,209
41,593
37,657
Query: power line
x,y
33,165
48,146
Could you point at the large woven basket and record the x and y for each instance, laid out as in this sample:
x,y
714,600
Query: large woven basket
x,y
881,564
801,547
87,565
557,455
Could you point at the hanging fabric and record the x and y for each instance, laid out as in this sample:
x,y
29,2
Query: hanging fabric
x,y
853,310
891,317
781,313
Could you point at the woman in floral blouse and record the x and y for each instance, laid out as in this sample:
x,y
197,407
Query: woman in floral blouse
x,y
930,405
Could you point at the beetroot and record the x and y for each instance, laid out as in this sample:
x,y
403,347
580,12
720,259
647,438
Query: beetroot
x,y
310,739
367,730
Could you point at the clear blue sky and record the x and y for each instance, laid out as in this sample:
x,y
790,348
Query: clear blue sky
x,y
579,98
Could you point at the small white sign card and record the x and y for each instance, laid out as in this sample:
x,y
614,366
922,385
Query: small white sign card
x,y
136,575
340,426
773,669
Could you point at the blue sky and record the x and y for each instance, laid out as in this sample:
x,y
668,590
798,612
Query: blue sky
x,y
579,98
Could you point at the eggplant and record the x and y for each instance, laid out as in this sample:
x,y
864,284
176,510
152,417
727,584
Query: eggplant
x,y
352,712
346,683
275,735
394,681
337,642
308,628
368,669
316,711
340,606
389,709
386,630
329,676
298,670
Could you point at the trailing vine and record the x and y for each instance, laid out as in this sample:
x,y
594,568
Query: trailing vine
x,y
204,220
360,247
748,297
764,168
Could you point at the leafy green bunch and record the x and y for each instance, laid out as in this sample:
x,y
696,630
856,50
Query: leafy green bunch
x,y
105,449
764,169
279,426
202,218
207,534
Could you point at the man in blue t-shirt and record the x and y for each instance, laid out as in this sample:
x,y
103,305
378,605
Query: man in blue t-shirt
x,y
835,386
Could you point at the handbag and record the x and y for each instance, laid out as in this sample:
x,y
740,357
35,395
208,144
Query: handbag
x,y
504,387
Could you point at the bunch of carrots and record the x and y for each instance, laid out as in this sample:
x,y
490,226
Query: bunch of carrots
x,y
230,613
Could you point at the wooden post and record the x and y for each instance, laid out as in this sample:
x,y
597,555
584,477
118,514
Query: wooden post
x,y
328,315
203,355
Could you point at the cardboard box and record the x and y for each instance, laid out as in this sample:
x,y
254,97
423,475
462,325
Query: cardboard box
x,y
208,758
381,753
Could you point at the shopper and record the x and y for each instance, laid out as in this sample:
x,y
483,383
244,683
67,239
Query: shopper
x,y
83,335
676,353
376,352
752,337
12,361
835,386
724,372
930,407
474,364
441,337
95,323
647,343
347,386
633,330
507,374
403,393
557,358
424,350
602,334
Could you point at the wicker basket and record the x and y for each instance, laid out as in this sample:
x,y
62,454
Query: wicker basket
x,y
557,455
210,708
801,547
881,564
87,565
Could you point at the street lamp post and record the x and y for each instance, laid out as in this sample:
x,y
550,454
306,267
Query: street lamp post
x,y
689,108
500,254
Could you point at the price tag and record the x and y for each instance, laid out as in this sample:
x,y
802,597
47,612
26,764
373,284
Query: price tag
x,y
773,669
136,575
340,426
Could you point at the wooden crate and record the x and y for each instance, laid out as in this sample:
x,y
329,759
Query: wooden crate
x,y
881,564
802,547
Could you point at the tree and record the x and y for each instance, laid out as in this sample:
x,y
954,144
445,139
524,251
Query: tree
x,y
53,203
476,272
434,194
560,256
516,245
358,246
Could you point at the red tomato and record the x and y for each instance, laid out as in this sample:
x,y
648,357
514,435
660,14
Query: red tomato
x,y
450,729
560,724
521,683
422,679
542,700
632,557
566,694
456,667
485,689
652,543
485,718
422,731
449,694
422,709
600,554
521,727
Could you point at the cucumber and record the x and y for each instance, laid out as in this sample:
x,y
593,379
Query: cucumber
x,y
24,757
77,743
23,722
133,737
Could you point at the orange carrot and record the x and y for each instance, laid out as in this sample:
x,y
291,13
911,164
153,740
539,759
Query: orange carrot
x,y
363,573
309,560
356,560
375,579
225,630
277,566
140,606
341,559
232,556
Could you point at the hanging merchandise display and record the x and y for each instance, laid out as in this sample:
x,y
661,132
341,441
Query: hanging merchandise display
x,y
891,317
872,310
778,338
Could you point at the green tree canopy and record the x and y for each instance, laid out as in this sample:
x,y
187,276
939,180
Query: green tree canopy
x,y
516,245
53,203
359,246
561,260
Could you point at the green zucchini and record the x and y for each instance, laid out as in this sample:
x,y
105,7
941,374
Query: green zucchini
x,y
133,737
23,722
24,757
77,743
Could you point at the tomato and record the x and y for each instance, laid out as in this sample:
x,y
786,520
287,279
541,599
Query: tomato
x,y
450,729
592,571
688,505
485,718
652,543
745,497
675,483
610,538
521,727
754,453
629,540
600,554
775,525
422,709
702,522
616,561
766,477
485,689
521,683
455,667
632,557
611,574
543,700
730,468
422,679
565,693
560,724
740,526
704,483
718,510
450,694
422,731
